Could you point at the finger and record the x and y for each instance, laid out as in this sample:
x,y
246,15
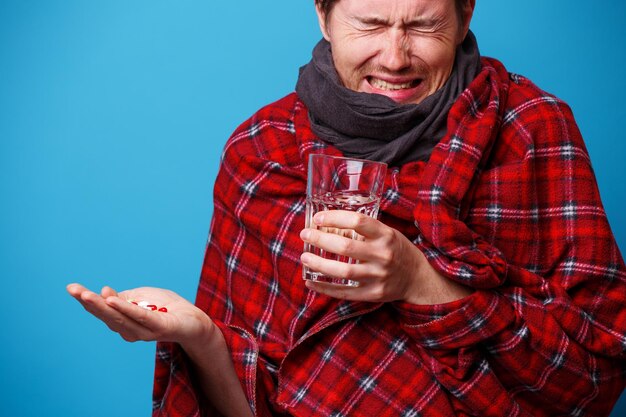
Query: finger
x,y
352,271
108,292
91,301
363,292
128,328
335,243
364,225
75,290
153,323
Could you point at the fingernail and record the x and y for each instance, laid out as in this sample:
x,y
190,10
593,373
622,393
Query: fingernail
x,y
318,218
305,234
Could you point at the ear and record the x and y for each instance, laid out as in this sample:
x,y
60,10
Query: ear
x,y
321,19
466,15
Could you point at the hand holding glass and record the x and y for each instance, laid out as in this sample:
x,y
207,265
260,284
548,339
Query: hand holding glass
x,y
338,183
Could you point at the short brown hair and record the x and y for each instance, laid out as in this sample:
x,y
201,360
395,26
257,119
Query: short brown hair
x,y
326,6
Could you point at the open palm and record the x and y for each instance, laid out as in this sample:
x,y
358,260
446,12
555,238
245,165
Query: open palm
x,y
181,323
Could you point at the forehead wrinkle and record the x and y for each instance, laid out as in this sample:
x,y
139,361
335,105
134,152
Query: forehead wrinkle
x,y
410,17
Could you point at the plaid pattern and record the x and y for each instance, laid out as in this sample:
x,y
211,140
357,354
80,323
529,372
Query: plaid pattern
x,y
507,204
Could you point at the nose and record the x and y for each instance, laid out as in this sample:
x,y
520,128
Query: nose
x,y
395,55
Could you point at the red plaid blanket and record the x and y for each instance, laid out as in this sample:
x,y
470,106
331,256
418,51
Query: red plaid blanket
x,y
507,204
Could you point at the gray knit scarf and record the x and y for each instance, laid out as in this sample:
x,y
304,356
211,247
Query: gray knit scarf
x,y
372,126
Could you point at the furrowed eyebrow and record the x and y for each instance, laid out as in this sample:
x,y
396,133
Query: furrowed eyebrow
x,y
423,22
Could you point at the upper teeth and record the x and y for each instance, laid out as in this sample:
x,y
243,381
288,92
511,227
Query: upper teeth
x,y
384,85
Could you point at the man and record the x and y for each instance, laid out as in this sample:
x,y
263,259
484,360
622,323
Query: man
x,y
491,285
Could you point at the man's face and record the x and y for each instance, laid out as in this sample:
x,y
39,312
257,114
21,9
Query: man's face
x,y
403,49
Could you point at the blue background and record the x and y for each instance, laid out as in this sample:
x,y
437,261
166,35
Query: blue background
x,y
113,115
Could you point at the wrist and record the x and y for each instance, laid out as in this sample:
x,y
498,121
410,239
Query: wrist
x,y
433,287
439,291
204,335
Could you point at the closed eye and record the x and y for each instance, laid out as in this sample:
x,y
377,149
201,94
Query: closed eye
x,y
423,26
371,24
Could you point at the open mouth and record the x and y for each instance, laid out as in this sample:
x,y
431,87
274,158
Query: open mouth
x,y
390,86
